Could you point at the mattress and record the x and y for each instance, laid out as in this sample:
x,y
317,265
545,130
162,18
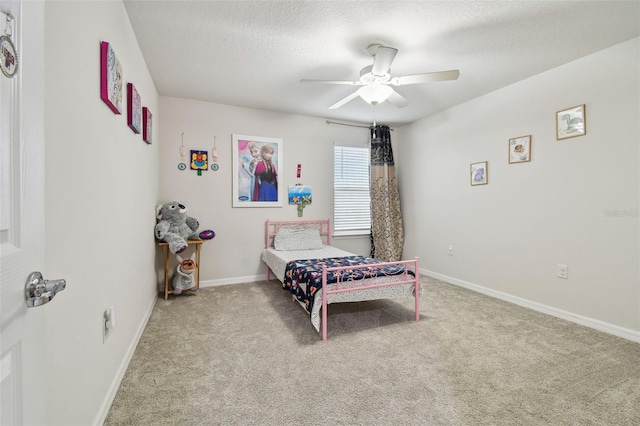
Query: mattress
x,y
277,259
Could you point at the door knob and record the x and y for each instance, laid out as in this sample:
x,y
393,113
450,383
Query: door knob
x,y
39,291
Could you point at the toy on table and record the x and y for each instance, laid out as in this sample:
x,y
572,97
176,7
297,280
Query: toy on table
x,y
175,227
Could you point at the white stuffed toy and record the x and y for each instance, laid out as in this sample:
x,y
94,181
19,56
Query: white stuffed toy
x,y
175,227
182,280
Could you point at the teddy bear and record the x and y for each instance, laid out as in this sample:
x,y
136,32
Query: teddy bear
x,y
175,227
182,280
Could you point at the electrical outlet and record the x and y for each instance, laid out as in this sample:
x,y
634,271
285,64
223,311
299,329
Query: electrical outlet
x,y
108,322
563,271
450,251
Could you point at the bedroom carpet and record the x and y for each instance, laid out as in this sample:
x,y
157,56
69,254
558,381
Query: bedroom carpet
x,y
247,355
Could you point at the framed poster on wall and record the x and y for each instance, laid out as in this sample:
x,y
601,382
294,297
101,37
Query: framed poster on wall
x,y
257,162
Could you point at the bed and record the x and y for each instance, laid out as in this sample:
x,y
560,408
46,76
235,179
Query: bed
x,y
299,253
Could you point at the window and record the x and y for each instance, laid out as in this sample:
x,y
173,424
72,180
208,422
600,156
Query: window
x,y
351,201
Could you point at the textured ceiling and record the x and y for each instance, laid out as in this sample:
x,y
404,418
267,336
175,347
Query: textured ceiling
x,y
254,53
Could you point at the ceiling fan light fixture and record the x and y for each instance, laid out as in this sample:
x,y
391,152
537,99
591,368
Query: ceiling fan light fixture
x,y
375,80
375,94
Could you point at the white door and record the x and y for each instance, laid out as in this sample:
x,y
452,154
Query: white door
x,y
22,343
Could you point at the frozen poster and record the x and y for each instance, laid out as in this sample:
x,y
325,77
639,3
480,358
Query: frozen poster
x,y
256,171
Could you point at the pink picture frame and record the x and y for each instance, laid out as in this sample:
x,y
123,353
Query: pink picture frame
x,y
147,125
134,109
110,78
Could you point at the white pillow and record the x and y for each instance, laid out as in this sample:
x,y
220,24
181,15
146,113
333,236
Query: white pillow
x,y
297,239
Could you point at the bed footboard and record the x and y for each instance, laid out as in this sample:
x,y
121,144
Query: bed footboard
x,y
346,284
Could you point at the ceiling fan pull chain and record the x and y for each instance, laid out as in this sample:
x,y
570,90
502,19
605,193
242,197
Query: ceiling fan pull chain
x,y
374,121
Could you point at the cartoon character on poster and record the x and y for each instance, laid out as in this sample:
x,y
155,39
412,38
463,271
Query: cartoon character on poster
x,y
258,171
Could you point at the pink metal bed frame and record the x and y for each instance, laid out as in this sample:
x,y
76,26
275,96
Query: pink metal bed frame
x,y
324,227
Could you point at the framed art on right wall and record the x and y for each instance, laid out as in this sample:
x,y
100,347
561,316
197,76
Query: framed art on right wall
x,y
520,149
479,173
571,122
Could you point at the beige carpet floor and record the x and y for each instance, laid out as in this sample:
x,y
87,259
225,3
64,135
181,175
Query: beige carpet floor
x,y
246,355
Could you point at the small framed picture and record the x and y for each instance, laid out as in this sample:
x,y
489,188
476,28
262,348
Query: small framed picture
x,y
299,194
147,125
134,109
199,160
571,122
110,78
479,173
520,149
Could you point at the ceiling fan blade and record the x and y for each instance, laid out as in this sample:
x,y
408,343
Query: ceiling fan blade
x,y
383,59
426,78
344,101
347,82
398,100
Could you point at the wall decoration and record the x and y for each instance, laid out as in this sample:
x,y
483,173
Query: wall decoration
x,y
257,162
214,156
182,166
571,122
147,125
110,78
8,53
520,149
199,161
479,173
300,195
134,109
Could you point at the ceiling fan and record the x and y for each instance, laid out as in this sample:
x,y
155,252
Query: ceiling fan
x,y
376,80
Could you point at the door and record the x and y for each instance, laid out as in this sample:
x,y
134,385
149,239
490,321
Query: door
x,y
23,384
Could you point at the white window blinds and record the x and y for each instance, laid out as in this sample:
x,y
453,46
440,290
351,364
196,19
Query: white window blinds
x,y
351,202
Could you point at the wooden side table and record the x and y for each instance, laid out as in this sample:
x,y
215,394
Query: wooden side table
x,y
198,244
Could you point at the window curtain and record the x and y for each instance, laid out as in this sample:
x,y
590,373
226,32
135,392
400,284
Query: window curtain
x,y
387,233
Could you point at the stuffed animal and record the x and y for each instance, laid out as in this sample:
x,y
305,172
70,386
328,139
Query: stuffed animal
x,y
175,227
182,280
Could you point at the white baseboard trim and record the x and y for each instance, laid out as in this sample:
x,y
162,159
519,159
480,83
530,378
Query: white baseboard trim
x,y
615,330
115,384
234,280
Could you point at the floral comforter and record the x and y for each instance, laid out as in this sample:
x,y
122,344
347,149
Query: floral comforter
x,y
303,278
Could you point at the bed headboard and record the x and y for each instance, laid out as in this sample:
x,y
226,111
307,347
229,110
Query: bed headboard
x,y
322,225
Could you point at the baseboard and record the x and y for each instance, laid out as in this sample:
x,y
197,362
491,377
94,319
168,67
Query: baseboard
x,y
115,384
234,280
615,330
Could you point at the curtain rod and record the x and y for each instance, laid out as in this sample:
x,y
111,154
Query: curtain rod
x,y
352,125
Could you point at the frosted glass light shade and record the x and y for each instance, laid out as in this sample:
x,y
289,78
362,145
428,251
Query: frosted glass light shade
x,y
374,94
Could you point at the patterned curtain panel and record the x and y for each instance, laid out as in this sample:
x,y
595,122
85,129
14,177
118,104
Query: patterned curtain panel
x,y
387,233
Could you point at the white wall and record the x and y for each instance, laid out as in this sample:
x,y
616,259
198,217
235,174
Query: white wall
x,y
234,254
101,189
508,236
